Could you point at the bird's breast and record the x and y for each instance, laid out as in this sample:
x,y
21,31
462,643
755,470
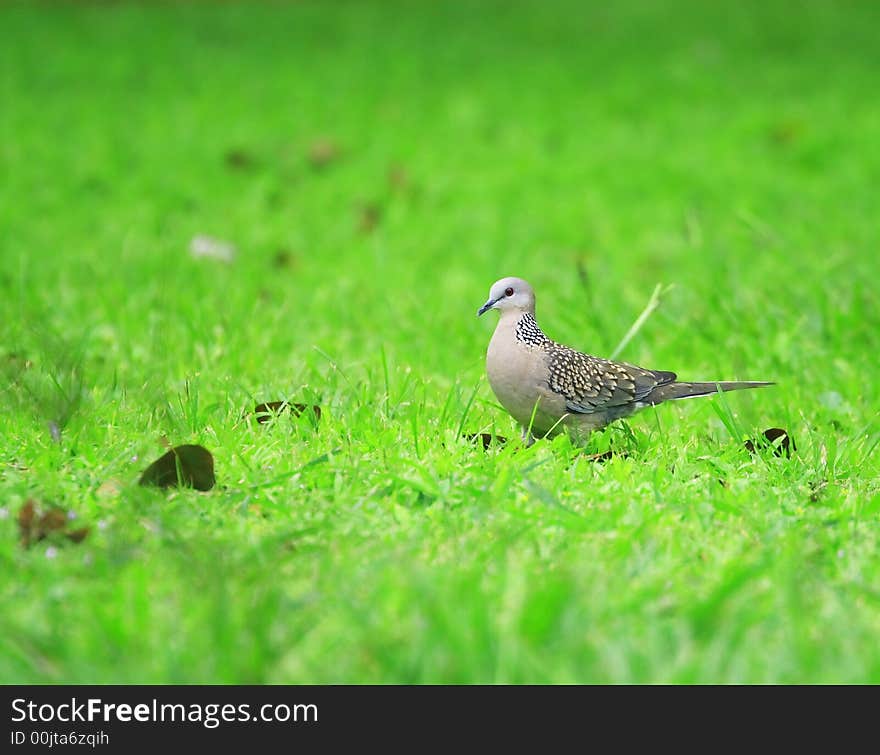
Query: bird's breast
x,y
517,373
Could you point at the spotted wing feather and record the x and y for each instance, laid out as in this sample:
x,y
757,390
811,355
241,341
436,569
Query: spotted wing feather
x,y
589,384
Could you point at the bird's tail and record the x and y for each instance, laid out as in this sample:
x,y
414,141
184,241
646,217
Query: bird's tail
x,y
674,391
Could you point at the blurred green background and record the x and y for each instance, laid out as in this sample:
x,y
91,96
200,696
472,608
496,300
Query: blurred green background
x,y
376,166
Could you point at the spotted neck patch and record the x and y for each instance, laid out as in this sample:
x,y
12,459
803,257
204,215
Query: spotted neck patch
x,y
528,332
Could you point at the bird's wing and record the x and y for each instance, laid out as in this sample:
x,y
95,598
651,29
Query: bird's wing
x,y
589,384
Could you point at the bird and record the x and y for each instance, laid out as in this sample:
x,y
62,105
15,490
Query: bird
x,y
549,388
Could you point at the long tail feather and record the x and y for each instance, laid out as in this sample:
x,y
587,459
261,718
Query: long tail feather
x,y
675,391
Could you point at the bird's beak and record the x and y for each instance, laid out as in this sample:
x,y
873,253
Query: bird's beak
x,y
486,307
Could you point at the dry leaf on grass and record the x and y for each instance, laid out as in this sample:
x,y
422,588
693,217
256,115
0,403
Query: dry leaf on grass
x,y
777,439
36,523
188,466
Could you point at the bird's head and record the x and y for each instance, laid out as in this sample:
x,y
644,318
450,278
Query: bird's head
x,y
510,295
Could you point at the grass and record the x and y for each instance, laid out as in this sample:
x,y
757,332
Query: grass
x,y
377,166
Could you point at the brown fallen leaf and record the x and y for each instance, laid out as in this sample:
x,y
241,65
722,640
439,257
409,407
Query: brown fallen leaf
x,y
777,439
283,258
369,215
323,152
786,133
26,514
266,410
239,159
189,466
398,178
36,523
77,536
487,439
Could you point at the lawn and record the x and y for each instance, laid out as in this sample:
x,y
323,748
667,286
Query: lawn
x,y
376,166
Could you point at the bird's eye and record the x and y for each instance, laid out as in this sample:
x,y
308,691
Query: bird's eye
x,y
508,292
